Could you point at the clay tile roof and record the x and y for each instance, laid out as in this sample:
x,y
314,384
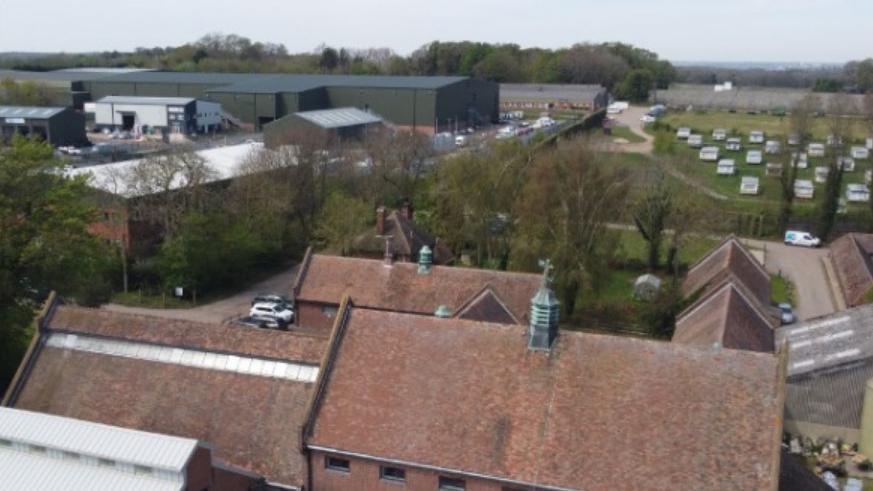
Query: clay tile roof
x,y
730,258
595,413
370,283
851,257
407,239
252,421
727,316
186,334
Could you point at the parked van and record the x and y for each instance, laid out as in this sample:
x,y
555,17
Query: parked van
x,y
802,239
460,141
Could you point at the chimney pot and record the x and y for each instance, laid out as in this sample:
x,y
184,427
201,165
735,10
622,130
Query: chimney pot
x,y
380,220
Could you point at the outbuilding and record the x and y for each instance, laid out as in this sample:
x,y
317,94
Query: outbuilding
x,y
342,123
59,126
163,114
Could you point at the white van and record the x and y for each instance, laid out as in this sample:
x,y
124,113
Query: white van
x,y
802,239
460,141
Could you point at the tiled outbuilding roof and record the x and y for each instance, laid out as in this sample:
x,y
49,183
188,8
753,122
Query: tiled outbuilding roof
x,y
594,413
218,384
400,287
727,316
851,257
730,258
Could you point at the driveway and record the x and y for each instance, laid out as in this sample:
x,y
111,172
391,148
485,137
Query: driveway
x,y
631,119
805,268
221,310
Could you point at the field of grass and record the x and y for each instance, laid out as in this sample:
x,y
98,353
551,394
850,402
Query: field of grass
x,y
627,134
781,289
740,124
632,247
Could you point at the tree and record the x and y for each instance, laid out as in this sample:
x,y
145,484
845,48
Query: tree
x,y
44,243
636,85
800,124
329,60
651,212
570,195
341,221
839,125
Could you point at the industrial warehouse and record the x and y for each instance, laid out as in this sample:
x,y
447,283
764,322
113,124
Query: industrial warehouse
x,y
424,104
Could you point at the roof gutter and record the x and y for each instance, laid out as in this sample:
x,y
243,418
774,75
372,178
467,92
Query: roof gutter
x,y
435,468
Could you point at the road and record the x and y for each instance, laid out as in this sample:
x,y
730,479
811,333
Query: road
x,y
805,268
631,118
221,310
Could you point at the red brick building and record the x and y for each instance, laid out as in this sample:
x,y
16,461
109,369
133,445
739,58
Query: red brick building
x,y
415,402
397,232
479,294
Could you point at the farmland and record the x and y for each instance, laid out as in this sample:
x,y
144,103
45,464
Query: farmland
x,y
740,124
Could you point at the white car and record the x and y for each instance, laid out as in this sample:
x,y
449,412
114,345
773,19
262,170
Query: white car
x,y
272,311
460,141
803,239
648,119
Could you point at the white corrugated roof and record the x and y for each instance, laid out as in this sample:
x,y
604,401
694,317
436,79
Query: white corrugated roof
x,y
145,101
339,118
84,438
29,112
114,178
27,471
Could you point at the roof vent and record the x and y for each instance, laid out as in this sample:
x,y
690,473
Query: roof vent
x,y
425,260
443,312
544,314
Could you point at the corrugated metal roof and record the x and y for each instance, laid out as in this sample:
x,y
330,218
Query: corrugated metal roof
x,y
27,471
29,112
146,101
84,438
339,118
56,77
224,162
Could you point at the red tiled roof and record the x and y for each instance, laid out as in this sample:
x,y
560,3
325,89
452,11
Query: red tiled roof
x,y
210,337
407,239
370,283
730,258
595,413
727,316
252,421
851,257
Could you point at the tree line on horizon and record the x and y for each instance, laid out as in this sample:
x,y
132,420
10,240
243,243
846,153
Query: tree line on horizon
x,y
617,66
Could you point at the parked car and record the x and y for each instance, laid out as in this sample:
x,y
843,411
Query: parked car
x,y
802,239
648,119
460,140
786,313
271,298
278,312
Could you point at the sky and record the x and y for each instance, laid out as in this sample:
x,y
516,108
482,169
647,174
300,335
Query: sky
x,y
831,31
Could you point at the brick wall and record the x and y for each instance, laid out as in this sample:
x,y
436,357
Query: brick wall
x,y
199,470
316,315
365,474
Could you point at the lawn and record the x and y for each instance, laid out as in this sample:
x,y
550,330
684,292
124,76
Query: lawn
x,y
741,124
781,289
626,133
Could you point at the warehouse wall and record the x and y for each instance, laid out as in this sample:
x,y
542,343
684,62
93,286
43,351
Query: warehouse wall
x,y
454,101
403,107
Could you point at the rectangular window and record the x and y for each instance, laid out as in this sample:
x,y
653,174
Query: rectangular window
x,y
337,464
392,474
451,484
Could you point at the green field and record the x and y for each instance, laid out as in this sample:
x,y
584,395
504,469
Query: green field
x,y
740,124
627,134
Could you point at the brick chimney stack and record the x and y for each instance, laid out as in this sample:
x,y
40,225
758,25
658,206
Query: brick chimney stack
x,y
406,210
380,220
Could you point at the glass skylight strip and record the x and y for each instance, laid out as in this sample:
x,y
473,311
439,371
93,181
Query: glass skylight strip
x,y
187,357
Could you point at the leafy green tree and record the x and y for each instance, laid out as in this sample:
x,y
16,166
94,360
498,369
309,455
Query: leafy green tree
x,y
44,243
636,85
569,197
341,221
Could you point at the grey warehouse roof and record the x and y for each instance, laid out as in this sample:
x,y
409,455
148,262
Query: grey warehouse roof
x,y
146,101
29,112
273,82
42,451
67,75
339,118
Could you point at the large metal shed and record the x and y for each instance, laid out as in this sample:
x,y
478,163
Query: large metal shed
x,y
56,125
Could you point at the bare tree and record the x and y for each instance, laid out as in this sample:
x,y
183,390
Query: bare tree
x,y
651,212
840,126
800,124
